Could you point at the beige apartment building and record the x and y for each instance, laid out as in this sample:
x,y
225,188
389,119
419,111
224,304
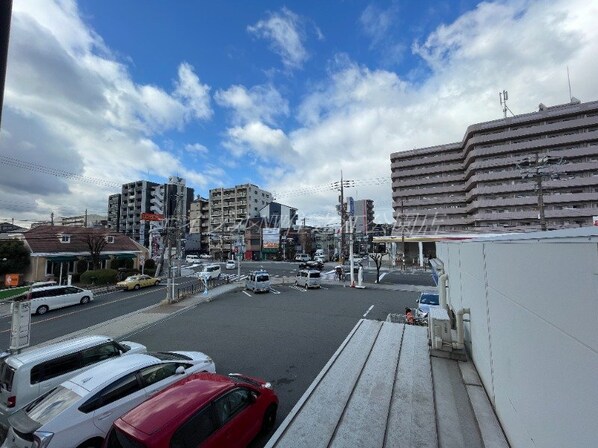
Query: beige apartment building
x,y
512,174
229,210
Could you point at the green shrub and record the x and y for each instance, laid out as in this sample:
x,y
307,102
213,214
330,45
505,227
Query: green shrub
x,y
150,264
151,271
99,277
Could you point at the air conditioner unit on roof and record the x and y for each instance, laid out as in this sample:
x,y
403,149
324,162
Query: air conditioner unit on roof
x,y
439,325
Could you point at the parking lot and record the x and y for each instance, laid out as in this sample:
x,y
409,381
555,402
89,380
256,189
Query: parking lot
x,y
285,336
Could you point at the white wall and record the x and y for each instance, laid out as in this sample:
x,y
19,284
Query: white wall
x,y
533,334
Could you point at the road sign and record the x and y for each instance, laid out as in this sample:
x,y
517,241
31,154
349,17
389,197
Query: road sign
x,y
141,259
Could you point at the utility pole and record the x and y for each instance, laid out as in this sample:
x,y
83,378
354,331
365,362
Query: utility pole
x,y
342,208
540,168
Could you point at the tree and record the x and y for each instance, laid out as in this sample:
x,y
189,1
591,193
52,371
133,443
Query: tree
x,y
377,257
14,257
96,244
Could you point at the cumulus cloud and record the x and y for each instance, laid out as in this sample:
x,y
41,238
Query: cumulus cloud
x,y
258,139
358,116
263,103
284,30
70,104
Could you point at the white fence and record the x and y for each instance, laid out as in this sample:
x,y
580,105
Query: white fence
x,y
533,330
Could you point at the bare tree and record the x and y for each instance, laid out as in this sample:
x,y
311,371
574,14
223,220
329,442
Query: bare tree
x,y
377,257
96,244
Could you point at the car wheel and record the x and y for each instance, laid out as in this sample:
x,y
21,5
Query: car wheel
x,y
42,310
157,283
94,443
269,419
84,300
136,287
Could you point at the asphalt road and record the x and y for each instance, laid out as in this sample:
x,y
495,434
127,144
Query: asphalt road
x,y
285,336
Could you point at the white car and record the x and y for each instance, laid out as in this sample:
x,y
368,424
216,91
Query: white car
x,y
210,271
192,259
231,264
80,412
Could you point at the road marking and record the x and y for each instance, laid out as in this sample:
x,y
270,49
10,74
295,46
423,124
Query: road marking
x,y
274,291
369,309
297,288
246,293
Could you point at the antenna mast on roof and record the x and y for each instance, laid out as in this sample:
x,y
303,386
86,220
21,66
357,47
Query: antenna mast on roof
x,y
503,97
569,81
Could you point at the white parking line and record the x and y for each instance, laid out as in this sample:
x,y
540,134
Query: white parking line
x,y
369,309
297,288
274,291
246,293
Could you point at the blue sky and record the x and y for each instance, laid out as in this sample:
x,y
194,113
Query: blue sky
x,y
282,95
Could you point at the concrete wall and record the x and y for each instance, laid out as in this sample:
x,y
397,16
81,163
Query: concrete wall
x,y
533,331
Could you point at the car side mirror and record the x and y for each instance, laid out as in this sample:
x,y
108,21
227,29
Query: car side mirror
x,y
252,397
180,370
417,301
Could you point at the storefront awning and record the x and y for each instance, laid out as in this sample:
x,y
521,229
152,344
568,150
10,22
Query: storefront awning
x,y
61,258
125,256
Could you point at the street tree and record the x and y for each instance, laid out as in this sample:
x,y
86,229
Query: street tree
x,y
14,257
377,257
96,244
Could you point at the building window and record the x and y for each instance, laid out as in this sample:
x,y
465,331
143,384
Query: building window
x,y
110,239
65,238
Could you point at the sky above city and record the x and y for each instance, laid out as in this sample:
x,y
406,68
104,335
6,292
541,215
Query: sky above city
x,y
285,96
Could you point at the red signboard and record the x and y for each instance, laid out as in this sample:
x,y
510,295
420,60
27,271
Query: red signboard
x,y
151,217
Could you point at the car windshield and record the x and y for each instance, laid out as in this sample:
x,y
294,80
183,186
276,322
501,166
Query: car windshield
x,y
131,279
7,373
53,404
315,275
262,278
169,356
429,299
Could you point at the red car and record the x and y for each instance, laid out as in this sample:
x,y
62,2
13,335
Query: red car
x,y
203,409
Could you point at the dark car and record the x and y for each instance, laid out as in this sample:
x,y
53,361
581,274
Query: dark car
x,y
312,265
203,409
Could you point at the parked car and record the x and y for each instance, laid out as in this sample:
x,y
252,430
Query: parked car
x,y
46,298
308,278
426,301
204,409
205,256
192,258
80,411
26,375
137,281
210,271
44,283
231,264
258,281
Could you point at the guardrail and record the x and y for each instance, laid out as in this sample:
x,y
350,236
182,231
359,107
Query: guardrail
x,y
199,286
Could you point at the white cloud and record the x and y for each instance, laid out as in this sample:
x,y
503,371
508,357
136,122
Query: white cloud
x,y
284,29
196,148
359,116
70,105
258,139
263,103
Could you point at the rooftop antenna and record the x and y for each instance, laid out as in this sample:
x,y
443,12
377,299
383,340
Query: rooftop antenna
x,y
569,81
503,97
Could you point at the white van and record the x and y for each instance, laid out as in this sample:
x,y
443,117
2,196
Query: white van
x,y
258,281
27,375
48,298
302,257
308,278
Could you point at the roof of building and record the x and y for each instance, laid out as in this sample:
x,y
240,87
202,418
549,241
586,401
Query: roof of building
x,y
382,388
47,239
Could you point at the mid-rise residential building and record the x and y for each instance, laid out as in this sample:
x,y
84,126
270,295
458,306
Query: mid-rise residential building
x,y
169,203
199,224
363,216
511,174
230,208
